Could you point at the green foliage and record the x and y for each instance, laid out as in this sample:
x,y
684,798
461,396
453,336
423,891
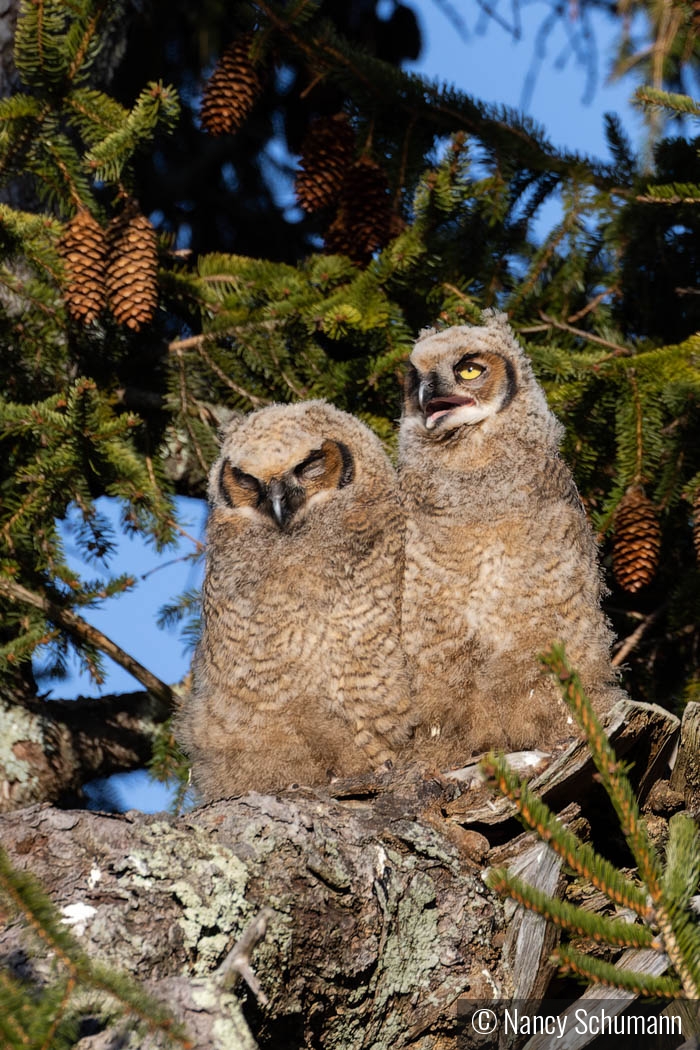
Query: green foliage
x,y
155,105
661,898
598,297
60,454
50,1016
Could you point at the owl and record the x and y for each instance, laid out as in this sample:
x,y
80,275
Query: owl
x,y
500,559
299,672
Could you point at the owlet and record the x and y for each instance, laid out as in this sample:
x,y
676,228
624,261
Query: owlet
x,y
500,559
298,673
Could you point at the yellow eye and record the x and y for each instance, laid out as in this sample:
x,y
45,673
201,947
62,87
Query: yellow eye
x,y
470,372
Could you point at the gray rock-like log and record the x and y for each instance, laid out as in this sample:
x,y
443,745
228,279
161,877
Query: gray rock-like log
x,y
380,928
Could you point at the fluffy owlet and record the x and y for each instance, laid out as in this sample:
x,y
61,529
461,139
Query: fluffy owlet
x,y
500,560
299,672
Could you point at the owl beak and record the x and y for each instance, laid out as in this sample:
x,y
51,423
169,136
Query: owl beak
x,y
425,393
278,503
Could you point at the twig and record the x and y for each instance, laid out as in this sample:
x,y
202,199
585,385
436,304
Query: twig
x,y
79,628
588,336
591,305
237,962
632,640
201,547
196,342
646,198
185,415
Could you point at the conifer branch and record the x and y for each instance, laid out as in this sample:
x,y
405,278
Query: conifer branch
x,y
183,394
38,913
610,976
198,343
651,96
79,628
429,102
592,304
590,337
579,856
638,423
570,917
87,36
612,775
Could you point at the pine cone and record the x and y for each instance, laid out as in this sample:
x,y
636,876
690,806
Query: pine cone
x,y
326,155
636,541
83,249
363,223
232,89
132,269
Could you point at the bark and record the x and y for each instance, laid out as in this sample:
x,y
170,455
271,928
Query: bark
x,y
50,748
353,917
381,925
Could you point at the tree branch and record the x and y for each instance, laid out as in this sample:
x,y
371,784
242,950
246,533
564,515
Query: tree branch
x,y
588,336
50,748
80,629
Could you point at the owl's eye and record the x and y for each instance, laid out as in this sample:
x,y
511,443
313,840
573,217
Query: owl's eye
x,y
470,371
314,466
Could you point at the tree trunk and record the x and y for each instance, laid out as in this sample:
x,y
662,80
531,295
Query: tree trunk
x,y
374,926
379,925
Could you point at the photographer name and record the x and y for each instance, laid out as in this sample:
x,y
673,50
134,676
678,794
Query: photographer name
x,y
583,1022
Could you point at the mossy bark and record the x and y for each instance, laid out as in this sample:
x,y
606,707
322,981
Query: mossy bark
x,y
380,926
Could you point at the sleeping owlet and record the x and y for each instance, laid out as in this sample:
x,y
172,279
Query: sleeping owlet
x,y
298,673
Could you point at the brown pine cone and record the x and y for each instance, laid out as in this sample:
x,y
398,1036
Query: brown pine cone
x,y
232,90
326,155
132,269
83,249
363,223
636,540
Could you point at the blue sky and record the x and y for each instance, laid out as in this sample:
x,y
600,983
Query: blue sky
x,y
489,64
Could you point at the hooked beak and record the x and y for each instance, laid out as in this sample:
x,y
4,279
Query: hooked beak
x,y
425,393
278,503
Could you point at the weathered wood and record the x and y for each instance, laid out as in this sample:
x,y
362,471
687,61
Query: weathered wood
x,y
642,734
685,777
378,928
378,925
530,938
597,999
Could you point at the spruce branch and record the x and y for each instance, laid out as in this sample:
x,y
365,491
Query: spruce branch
x,y
421,100
672,922
610,976
651,96
663,902
157,104
589,337
80,629
682,872
612,774
569,916
577,855
28,900
639,425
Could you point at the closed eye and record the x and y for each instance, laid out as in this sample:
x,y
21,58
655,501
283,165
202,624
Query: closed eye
x,y
247,481
314,466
